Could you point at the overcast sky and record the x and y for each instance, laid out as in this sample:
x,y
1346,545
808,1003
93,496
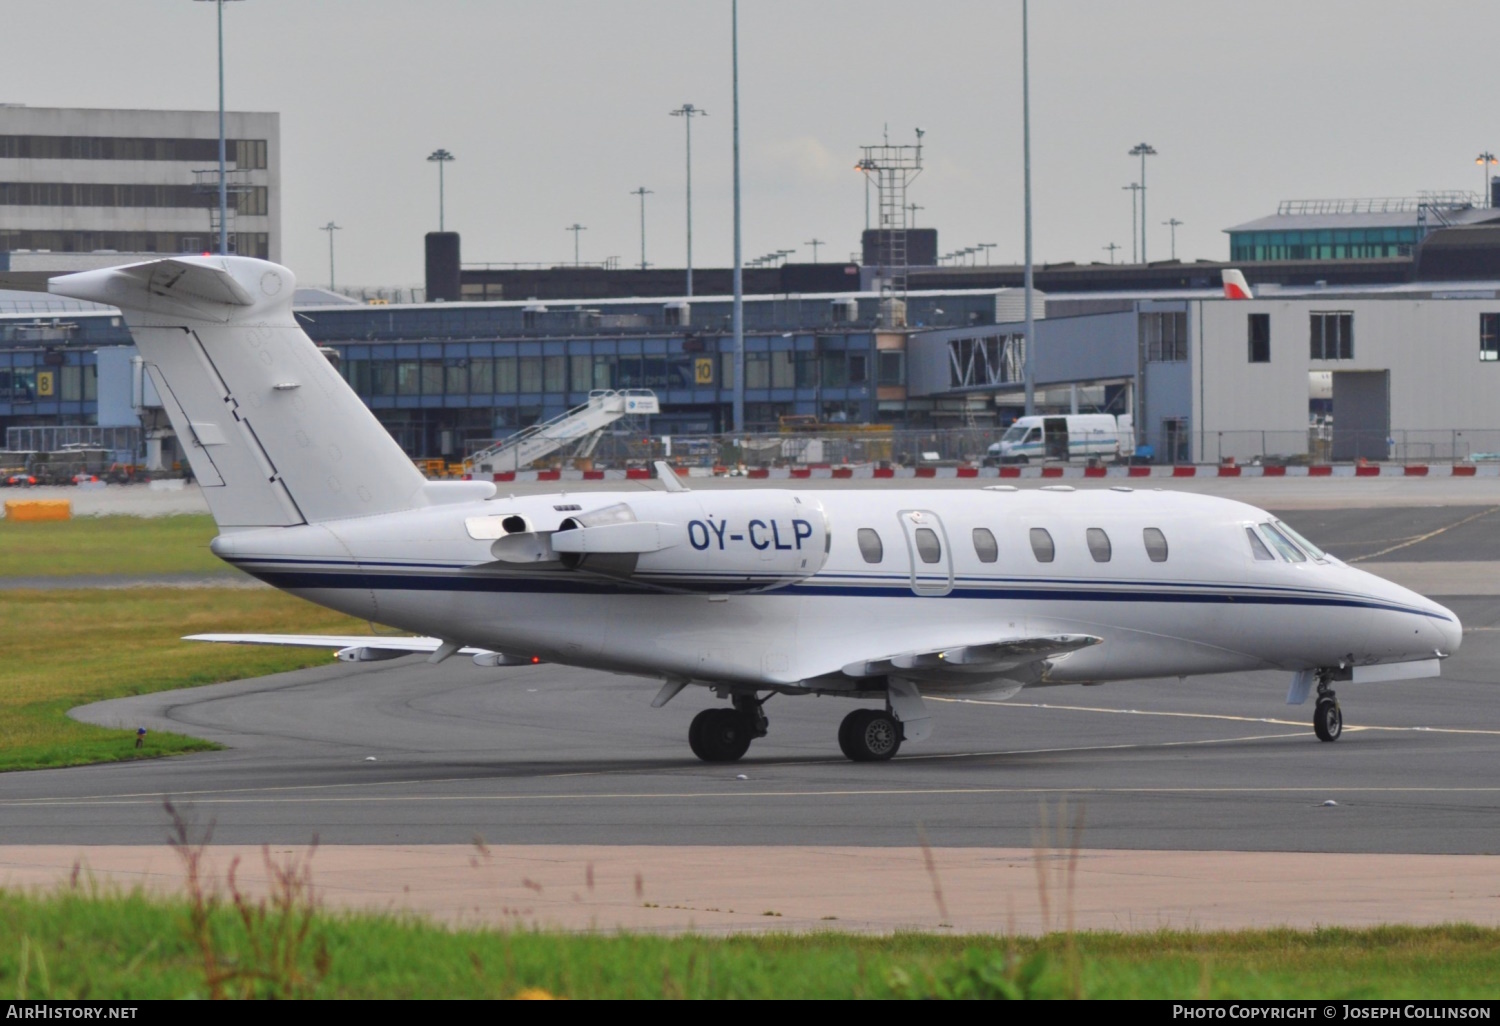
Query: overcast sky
x,y
556,110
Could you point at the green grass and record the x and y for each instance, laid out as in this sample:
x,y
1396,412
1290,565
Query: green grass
x,y
67,648
76,945
109,545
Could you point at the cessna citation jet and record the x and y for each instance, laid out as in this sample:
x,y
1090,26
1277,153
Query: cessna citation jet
x,y
882,596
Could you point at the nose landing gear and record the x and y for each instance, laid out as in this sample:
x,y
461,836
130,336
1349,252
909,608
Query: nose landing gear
x,y
1328,719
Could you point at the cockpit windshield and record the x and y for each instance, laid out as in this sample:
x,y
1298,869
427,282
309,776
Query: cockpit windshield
x,y
1311,549
1282,544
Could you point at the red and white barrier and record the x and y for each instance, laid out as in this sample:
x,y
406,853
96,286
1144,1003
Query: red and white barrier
x,y
1023,472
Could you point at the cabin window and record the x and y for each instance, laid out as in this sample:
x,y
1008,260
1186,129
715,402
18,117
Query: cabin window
x,y
929,549
984,545
1099,546
869,545
1306,546
1283,544
1156,544
1257,546
1041,545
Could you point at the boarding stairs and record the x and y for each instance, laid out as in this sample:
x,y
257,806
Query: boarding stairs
x,y
578,428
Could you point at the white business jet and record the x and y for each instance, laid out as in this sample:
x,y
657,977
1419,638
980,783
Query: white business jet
x,y
884,596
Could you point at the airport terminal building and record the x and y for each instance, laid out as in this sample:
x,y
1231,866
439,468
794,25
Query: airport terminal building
x,y
1409,372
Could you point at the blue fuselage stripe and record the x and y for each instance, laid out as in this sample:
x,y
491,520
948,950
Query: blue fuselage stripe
x,y
573,584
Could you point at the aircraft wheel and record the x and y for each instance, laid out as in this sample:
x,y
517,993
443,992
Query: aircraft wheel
x,y
695,733
1328,720
719,735
869,735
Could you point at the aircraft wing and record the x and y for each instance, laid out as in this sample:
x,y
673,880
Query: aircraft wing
x,y
1013,658
356,648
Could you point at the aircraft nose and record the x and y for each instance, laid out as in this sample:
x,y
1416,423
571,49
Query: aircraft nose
x,y
1449,628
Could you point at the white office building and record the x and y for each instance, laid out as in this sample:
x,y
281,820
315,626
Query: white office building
x,y
80,187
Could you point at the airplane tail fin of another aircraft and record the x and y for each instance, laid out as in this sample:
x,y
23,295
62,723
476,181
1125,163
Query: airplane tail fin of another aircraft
x,y
1235,285
274,434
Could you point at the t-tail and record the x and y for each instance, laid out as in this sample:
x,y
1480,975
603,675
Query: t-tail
x,y
1235,285
274,434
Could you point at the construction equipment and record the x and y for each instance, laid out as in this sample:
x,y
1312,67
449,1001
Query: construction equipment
x,y
579,428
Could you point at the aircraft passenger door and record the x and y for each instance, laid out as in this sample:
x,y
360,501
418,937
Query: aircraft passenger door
x,y
929,552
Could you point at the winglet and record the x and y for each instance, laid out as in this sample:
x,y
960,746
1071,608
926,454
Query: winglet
x,y
1235,285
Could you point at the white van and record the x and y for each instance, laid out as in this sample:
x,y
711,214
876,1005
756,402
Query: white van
x,y
1068,437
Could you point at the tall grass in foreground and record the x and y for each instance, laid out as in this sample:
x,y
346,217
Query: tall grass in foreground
x,y
218,942
68,648
79,944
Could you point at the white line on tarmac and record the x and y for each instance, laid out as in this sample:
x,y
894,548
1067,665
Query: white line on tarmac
x,y
1423,537
821,793
1348,729
155,797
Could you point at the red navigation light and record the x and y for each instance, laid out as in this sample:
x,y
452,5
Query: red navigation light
x,y
535,660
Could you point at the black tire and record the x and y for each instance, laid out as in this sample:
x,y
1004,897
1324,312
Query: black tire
x,y
1328,720
870,735
723,736
695,733
847,726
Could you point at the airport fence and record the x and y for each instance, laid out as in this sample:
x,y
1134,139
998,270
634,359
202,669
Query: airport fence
x,y
970,446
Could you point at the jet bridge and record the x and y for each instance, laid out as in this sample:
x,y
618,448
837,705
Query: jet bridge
x,y
578,428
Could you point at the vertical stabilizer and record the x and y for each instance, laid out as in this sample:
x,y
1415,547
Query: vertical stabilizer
x,y
275,436
1235,285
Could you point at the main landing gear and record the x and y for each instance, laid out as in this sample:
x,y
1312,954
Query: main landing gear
x,y
1328,719
724,735
870,735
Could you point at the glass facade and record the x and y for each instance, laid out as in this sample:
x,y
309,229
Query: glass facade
x,y
1324,244
482,390
35,388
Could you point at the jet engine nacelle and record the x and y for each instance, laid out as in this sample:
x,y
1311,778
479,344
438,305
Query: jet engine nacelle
x,y
699,541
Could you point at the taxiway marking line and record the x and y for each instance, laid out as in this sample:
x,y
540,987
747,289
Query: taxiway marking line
x,y
1348,729
821,793
153,797
1423,537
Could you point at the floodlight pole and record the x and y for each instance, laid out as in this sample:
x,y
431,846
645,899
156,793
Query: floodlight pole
x,y
1143,150
1030,283
575,228
223,184
814,242
1172,224
1484,160
738,319
1135,188
440,157
687,112
330,228
642,192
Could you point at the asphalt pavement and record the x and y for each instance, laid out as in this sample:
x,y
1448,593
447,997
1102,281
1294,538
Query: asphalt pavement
x,y
403,752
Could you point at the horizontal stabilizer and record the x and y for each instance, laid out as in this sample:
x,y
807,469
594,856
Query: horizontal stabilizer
x,y
350,648
185,285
